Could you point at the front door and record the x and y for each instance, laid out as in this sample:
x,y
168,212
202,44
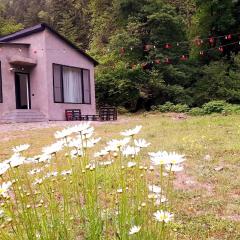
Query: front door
x,y
22,87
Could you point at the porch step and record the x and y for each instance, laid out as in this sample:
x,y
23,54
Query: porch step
x,y
23,115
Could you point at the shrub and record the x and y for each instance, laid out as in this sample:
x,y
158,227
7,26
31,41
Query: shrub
x,y
167,107
214,107
181,108
196,111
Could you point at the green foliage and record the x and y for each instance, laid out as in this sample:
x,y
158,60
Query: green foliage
x,y
170,107
196,111
214,107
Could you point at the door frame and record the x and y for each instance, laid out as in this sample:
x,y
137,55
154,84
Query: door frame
x,y
17,88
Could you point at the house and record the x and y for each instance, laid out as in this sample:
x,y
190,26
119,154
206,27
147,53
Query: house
x,y
42,75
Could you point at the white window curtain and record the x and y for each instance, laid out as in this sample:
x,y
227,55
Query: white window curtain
x,y
72,85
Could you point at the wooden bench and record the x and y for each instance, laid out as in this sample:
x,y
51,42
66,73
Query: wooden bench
x,y
105,114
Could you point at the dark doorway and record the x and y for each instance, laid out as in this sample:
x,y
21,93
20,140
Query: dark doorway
x,y
22,87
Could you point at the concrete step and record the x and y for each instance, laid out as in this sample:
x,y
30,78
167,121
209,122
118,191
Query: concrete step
x,y
23,115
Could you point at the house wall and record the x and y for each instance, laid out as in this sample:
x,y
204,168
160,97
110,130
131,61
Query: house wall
x,y
8,76
60,53
38,74
47,49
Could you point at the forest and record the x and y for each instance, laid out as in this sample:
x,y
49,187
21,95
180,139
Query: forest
x,y
149,51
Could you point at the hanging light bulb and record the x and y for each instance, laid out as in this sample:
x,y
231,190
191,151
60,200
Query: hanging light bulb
x,y
178,44
201,53
131,48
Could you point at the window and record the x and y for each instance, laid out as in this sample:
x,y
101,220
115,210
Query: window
x,y
1,95
71,84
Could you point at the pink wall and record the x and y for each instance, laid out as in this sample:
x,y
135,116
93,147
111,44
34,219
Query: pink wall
x,y
65,55
8,76
47,49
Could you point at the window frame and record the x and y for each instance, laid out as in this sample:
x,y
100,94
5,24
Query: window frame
x,y
1,84
62,86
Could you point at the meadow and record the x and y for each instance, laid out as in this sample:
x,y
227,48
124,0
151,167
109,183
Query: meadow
x,y
114,196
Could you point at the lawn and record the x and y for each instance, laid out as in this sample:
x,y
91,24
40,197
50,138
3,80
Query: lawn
x,y
206,194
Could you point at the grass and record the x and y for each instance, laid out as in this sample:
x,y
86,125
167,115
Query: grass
x,y
207,202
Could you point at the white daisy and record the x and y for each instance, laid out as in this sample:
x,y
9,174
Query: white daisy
x,y
163,216
3,168
141,143
20,148
81,127
4,188
16,160
102,153
64,133
134,229
155,189
130,151
159,158
174,168
175,158
54,148
34,171
131,164
131,132
116,144
66,172
75,153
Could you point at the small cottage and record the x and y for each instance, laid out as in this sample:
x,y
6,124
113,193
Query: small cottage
x,y
43,74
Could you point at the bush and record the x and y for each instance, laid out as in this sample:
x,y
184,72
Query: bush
x,y
196,111
181,108
167,107
214,107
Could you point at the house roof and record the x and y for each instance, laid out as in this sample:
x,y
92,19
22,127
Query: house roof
x,y
39,28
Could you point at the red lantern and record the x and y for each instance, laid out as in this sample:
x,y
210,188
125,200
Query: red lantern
x,y
228,37
211,39
221,49
168,45
122,50
198,42
167,61
184,58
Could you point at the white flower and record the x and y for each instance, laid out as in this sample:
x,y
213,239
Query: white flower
x,y
174,168
88,131
75,153
131,132
159,158
43,158
76,142
38,181
34,171
66,172
175,158
119,190
1,213
21,148
115,144
131,164
141,143
3,168
160,199
4,188
81,127
16,160
154,189
163,216
54,148
106,163
51,174
64,133
130,151
102,153
134,229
